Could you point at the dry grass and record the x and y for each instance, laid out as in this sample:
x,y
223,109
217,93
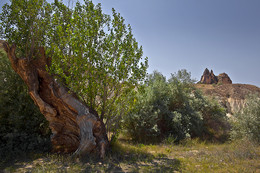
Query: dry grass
x,y
190,156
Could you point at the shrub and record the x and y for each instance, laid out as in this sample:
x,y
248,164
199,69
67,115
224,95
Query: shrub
x,y
246,123
150,103
174,108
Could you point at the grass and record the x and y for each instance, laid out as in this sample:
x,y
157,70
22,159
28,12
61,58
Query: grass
x,y
125,156
232,157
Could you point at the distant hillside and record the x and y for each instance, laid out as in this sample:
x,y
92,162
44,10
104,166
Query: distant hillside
x,y
231,96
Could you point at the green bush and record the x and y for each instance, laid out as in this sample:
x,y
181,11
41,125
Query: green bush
x,y
22,126
151,102
246,123
174,108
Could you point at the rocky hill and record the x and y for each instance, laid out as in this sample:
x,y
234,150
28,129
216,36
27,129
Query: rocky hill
x,y
231,96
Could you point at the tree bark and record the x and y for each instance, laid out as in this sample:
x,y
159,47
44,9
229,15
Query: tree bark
x,y
75,127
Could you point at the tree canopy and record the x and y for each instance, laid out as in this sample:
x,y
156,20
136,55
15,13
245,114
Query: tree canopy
x,y
94,54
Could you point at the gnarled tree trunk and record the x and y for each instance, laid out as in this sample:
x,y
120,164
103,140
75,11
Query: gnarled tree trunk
x,y
75,127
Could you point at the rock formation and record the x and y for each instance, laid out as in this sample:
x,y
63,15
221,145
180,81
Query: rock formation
x,y
231,96
75,127
210,78
223,78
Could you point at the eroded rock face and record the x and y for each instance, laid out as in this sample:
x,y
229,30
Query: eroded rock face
x,y
232,96
208,77
223,78
234,105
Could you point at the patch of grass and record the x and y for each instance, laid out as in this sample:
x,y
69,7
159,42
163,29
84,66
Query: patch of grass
x,y
231,157
124,156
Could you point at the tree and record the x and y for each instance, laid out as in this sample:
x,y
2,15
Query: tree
x,y
92,54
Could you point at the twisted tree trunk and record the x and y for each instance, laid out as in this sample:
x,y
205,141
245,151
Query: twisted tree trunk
x,y
75,127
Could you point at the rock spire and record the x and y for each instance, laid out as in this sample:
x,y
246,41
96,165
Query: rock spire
x,y
209,77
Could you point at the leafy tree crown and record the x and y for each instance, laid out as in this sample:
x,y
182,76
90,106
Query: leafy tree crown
x,y
92,53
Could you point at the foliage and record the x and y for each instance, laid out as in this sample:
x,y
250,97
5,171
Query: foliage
x,y
175,109
22,126
141,122
92,53
246,123
25,23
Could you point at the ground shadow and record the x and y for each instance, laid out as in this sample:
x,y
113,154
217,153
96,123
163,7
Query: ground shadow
x,y
119,159
123,159
12,161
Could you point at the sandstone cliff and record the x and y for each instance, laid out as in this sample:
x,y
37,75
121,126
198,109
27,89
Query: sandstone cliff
x,y
230,96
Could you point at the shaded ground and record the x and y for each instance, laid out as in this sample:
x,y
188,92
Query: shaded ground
x,y
190,156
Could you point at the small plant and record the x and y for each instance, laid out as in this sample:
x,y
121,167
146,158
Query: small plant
x,y
170,140
191,142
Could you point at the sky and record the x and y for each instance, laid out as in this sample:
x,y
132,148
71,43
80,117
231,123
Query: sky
x,y
222,35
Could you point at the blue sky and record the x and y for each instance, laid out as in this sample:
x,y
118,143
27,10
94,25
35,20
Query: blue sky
x,y
222,35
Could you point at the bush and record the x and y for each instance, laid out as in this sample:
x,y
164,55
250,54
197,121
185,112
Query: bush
x,y
174,108
246,123
151,102
22,126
